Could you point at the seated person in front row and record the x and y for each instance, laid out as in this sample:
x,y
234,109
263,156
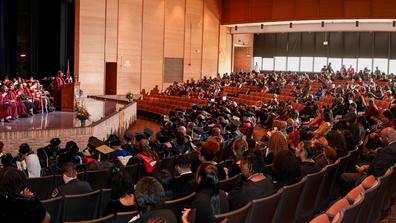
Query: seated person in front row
x,y
72,185
122,198
185,181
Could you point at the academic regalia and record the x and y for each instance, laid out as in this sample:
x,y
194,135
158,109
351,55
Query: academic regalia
x,y
57,84
6,110
16,100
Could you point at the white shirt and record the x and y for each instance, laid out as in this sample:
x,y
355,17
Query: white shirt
x,y
33,166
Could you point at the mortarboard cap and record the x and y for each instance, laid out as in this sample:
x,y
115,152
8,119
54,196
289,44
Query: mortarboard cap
x,y
148,132
139,136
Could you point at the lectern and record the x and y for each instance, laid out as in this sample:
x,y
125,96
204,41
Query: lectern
x,y
69,93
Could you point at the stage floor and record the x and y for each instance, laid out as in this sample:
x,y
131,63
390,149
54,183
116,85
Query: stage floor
x,y
62,120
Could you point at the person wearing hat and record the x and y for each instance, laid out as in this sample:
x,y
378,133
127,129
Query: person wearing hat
x,y
128,146
118,151
28,161
207,154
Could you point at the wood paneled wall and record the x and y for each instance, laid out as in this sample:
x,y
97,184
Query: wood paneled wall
x,y
247,11
139,34
243,52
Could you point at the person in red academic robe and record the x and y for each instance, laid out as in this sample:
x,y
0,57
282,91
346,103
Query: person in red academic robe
x,y
57,84
29,96
16,99
8,110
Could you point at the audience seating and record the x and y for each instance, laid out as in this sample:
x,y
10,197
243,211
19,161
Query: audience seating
x,y
132,170
228,184
323,218
335,184
106,219
40,186
54,206
105,199
122,217
352,211
367,206
236,216
264,207
323,196
306,202
81,207
178,205
98,179
288,202
380,199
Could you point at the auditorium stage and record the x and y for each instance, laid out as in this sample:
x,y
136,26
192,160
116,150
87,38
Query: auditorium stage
x,y
108,115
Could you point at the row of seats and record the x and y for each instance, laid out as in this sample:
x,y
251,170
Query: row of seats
x,y
366,203
298,202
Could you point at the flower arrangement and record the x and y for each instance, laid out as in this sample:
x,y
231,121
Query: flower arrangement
x,y
82,112
129,96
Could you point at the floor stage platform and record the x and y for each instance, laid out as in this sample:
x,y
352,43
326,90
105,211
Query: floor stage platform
x,y
109,115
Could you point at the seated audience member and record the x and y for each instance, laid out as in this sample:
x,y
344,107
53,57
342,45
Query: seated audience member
x,y
305,152
277,142
208,154
185,181
286,169
325,124
336,140
149,197
17,203
28,161
128,146
209,200
385,157
71,185
257,185
122,198
167,182
239,147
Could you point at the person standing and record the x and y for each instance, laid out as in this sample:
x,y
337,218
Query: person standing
x,y
57,84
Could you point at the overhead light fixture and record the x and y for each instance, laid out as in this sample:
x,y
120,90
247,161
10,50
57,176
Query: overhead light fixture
x,y
22,55
325,43
357,23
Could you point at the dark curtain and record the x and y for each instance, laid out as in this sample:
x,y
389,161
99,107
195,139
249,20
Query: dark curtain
x,y
4,51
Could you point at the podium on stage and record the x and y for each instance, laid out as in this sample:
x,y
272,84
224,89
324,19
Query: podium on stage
x,y
69,93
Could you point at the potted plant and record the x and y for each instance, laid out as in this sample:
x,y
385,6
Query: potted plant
x,y
129,96
82,113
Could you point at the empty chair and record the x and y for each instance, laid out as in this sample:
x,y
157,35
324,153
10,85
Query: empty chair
x,y
106,219
41,186
352,211
306,204
288,202
132,170
177,205
323,218
337,207
228,184
81,207
122,217
105,199
369,182
236,216
98,179
354,193
54,207
367,206
323,196
264,207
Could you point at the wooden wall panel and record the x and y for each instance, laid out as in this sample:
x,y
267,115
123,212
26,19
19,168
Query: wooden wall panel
x,y
306,9
248,11
210,49
193,40
129,46
357,8
111,30
243,56
153,44
283,9
260,10
174,28
383,8
225,49
91,46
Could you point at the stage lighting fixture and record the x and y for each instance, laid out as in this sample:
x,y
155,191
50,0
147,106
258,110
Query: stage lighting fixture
x,y
325,43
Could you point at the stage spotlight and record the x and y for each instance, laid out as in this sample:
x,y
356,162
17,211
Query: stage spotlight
x,y
325,43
